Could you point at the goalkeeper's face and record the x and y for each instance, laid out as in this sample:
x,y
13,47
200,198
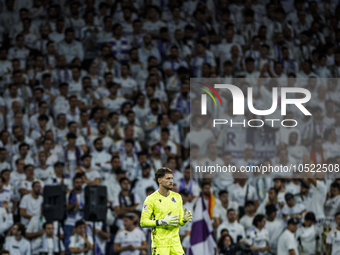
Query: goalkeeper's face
x,y
167,181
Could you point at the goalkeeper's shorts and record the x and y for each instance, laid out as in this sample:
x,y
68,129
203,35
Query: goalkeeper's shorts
x,y
171,250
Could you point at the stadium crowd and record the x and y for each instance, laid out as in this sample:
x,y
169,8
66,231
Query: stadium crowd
x,y
98,93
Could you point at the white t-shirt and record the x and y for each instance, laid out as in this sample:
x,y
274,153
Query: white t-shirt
x,y
128,85
309,244
43,174
238,194
275,229
78,242
332,206
258,238
297,211
134,238
221,212
333,238
318,199
235,229
287,242
21,247
247,222
32,206
50,246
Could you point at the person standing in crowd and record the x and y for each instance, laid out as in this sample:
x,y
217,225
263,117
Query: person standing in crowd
x,y
287,244
333,237
257,236
308,236
275,227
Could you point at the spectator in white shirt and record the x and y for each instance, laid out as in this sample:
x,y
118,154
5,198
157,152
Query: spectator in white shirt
x,y
6,219
287,244
70,48
131,240
220,211
330,145
236,230
16,243
309,236
80,243
48,243
30,204
292,209
333,238
100,158
247,220
258,237
275,227
332,203
146,180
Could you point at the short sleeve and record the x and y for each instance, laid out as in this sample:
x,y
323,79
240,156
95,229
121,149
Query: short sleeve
x,y
216,212
23,203
115,202
31,225
290,243
253,192
118,238
137,200
72,242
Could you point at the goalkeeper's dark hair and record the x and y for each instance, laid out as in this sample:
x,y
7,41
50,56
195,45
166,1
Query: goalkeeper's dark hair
x,y
161,172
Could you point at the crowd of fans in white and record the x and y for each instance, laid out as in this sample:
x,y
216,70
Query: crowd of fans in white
x,y
98,93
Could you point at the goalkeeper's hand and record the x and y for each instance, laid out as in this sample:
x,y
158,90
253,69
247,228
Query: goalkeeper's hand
x,y
187,216
168,220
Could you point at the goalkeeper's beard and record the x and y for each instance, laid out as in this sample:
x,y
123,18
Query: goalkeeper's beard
x,y
168,187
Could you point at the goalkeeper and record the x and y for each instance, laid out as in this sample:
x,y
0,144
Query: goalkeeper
x,y
163,213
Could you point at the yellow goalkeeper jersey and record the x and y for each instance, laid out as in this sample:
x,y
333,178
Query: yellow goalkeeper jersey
x,y
156,207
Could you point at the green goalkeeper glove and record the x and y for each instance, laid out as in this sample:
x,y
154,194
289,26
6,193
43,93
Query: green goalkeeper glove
x,y
187,215
168,220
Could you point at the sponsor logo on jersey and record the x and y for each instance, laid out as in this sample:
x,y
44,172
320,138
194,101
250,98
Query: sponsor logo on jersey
x,y
173,200
145,207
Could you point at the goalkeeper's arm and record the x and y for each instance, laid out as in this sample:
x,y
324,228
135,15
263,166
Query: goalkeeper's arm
x,y
147,211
